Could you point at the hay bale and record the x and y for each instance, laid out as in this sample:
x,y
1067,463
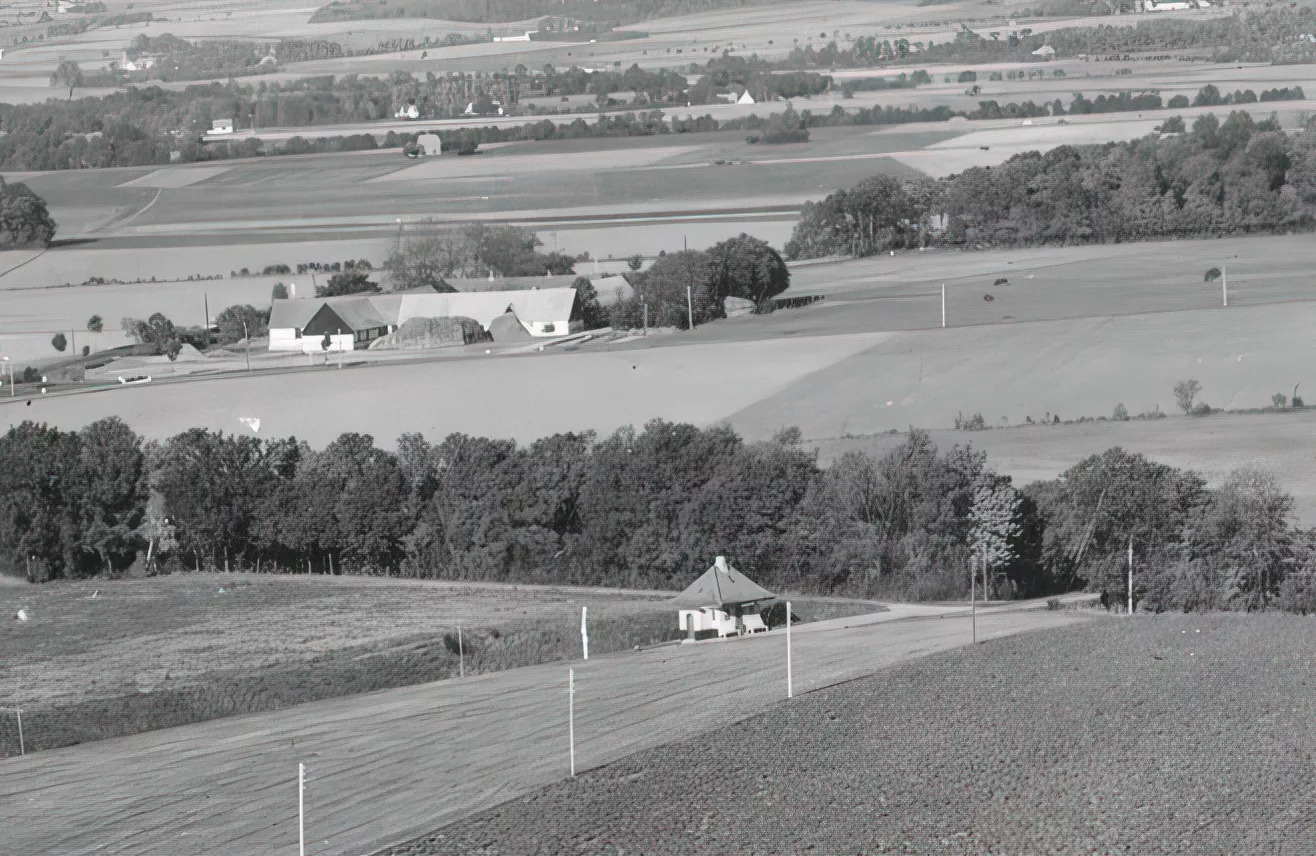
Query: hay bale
x,y
419,333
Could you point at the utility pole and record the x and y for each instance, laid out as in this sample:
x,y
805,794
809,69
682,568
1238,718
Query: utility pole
x,y
207,297
246,335
1224,284
943,304
689,308
644,304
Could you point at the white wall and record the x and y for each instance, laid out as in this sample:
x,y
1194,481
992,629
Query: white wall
x,y
536,328
285,339
339,342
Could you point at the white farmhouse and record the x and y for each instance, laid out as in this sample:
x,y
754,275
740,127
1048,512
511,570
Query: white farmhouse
x,y
354,321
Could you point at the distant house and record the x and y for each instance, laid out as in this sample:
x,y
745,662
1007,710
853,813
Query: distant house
x,y
221,126
407,111
1045,52
745,98
140,64
354,321
722,600
430,145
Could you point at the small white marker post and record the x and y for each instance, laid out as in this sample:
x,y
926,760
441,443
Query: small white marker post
x,y
571,718
1224,284
21,749
1130,575
973,601
301,810
943,304
461,654
584,631
790,689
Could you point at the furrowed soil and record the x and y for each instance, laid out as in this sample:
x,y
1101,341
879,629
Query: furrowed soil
x,y
1164,734
100,658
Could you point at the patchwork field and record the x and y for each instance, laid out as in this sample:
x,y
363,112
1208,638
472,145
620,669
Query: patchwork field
x,y
104,658
1161,735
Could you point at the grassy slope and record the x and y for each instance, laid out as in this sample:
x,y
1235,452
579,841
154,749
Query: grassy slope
x,y
154,653
1170,734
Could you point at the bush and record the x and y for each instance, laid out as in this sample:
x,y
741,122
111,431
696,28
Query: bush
x,y
973,423
1202,409
59,342
775,615
1121,413
1279,399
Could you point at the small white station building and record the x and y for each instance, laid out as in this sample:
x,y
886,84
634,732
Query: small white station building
x,y
725,600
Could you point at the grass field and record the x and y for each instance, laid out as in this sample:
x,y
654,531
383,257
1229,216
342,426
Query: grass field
x,y
104,658
1161,735
386,767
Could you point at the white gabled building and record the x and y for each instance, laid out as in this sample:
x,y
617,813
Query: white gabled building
x,y
354,321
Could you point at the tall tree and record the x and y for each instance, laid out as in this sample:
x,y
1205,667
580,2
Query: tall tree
x,y
67,75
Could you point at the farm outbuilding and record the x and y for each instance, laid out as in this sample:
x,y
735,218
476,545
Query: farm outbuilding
x,y
722,600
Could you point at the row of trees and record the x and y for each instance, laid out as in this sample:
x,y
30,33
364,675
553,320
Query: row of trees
x,y
646,508
743,267
1239,176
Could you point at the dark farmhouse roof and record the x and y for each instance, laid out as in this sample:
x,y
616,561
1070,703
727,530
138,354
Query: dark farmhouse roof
x,y
352,316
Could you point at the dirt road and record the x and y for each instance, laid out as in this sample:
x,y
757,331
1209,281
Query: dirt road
x,y
389,766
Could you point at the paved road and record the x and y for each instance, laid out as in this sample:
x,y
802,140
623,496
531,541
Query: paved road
x,y
388,766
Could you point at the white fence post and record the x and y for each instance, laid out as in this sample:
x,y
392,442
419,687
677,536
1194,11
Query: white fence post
x,y
584,631
22,750
790,690
301,809
461,654
571,718
973,600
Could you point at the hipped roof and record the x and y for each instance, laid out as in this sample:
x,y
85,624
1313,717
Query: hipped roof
x,y
719,588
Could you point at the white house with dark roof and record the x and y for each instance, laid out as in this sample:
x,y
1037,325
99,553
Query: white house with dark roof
x,y
354,321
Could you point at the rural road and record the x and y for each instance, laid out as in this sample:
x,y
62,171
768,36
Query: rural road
x,y
388,766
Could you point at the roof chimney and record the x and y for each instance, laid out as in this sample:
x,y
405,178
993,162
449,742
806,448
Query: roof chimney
x,y
721,563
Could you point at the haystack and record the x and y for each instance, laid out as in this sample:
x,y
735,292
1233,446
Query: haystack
x,y
419,333
508,328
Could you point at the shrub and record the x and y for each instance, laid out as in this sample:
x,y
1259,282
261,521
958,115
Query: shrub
x,y
59,342
1053,603
973,423
1202,409
1279,399
1121,413
775,615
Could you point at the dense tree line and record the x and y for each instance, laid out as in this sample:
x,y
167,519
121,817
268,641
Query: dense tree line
x,y
1235,177
646,508
1271,34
